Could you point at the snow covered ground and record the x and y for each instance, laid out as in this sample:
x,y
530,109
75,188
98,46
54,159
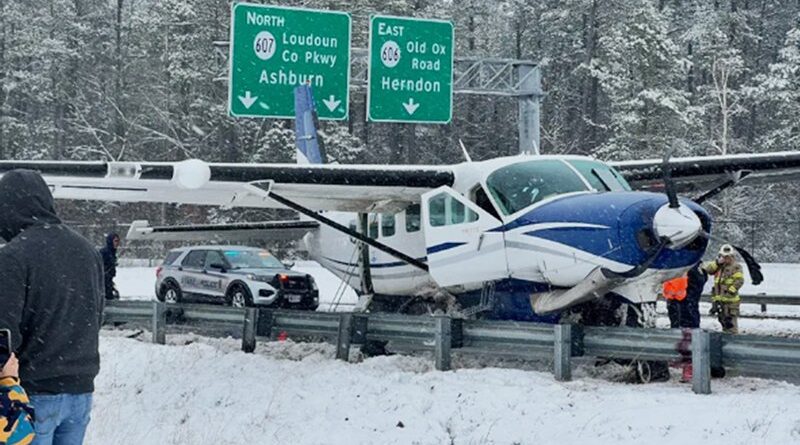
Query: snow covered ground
x,y
198,390
201,390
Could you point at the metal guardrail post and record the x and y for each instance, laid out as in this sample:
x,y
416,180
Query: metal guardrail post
x,y
264,323
249,330
159,323
443,342
562,339
344,336
360,326
701,362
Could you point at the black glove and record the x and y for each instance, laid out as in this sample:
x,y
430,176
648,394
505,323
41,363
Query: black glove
x,y
715,309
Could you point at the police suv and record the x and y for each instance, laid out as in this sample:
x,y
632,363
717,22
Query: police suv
x,y
234,275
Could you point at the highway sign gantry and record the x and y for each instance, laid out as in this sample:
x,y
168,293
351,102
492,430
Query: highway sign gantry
x,y
410,70
274,49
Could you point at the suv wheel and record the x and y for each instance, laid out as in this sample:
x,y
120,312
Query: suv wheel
x,y
171,293
239,296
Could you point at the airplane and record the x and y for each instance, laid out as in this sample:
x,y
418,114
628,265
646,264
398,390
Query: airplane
x,y
529,238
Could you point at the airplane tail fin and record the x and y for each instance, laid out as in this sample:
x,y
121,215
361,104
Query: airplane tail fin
x,y
310,149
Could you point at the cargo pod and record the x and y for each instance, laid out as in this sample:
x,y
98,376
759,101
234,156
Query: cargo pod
x,y
460,245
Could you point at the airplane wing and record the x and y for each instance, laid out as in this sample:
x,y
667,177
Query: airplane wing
x,y
362,188
705,172
263,231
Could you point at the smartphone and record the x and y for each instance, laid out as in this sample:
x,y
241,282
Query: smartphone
x,y
5,346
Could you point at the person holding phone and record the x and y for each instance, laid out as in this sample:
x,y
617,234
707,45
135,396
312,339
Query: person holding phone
x,y
52,296
16,415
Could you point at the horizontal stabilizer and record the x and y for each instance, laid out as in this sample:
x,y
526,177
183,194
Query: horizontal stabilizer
x,y
267,231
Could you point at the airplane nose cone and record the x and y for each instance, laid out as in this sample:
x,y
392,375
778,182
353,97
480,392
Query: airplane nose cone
x,y
680,225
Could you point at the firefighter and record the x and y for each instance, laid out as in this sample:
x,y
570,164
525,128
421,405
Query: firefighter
x,y
728,279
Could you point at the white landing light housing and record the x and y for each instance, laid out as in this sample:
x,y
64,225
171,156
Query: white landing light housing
x,y
191,174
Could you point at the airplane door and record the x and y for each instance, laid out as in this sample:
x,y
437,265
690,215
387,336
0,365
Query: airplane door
x,y
460,243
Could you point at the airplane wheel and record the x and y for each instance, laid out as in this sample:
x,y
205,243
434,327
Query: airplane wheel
x,y
650,371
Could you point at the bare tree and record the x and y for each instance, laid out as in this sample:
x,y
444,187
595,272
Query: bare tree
x,y
722,72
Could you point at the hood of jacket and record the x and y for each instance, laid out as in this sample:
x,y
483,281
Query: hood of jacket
x,y
25,201
110,241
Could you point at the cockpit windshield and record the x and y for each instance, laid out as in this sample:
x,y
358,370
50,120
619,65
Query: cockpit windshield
x,y
519,185
602,177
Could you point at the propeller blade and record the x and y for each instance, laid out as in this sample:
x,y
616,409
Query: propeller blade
x,y
752,265
733,180
641,268
669,184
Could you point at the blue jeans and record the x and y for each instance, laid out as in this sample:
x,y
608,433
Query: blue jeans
x,y
61,419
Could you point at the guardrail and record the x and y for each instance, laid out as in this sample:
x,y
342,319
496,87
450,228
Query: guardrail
x,y
748,355
764,300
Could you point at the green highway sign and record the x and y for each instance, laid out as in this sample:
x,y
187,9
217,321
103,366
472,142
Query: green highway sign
x,y
410,70
274,49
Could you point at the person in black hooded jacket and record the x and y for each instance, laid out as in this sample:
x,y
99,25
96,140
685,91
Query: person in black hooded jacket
x,y
51,295
109,254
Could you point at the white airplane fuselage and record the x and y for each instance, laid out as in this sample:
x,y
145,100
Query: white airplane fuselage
x,y
494,225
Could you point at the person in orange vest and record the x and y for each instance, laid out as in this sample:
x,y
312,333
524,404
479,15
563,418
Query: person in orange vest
x,y
675,294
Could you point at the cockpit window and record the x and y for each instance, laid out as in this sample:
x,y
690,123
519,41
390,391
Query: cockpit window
x,y
602,177
518,186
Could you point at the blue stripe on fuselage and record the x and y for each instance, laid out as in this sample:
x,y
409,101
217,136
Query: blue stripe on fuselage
x,y
375,265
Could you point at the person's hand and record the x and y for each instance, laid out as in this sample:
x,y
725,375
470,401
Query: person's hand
x,y
11,368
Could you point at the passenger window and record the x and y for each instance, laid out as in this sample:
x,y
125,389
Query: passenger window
x,y
413,218
171,257
436,210
373,226
446,210
214,257
387,224
195,259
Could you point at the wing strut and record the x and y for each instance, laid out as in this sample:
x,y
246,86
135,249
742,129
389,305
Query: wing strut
x,y
334,225
733,179
363,260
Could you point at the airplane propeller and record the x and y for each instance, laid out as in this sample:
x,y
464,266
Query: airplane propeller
x,y
672,196
669,184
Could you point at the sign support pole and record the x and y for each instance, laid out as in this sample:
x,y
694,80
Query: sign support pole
x,y
528,121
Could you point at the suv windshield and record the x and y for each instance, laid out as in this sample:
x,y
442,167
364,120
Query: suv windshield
x,y
517,186
252,259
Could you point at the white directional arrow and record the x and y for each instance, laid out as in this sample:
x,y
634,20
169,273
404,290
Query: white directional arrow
x,y
248,100
331,102
410,106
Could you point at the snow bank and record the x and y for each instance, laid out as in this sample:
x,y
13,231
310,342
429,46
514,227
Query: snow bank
x,y
209,392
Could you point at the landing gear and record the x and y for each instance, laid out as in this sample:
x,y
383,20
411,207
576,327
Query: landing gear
x,y
613,310
415,305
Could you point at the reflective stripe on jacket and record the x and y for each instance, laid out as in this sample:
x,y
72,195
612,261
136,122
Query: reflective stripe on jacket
x,y
728,279
675,289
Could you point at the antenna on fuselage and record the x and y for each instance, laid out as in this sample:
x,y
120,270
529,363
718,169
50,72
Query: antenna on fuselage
x,y
464,150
